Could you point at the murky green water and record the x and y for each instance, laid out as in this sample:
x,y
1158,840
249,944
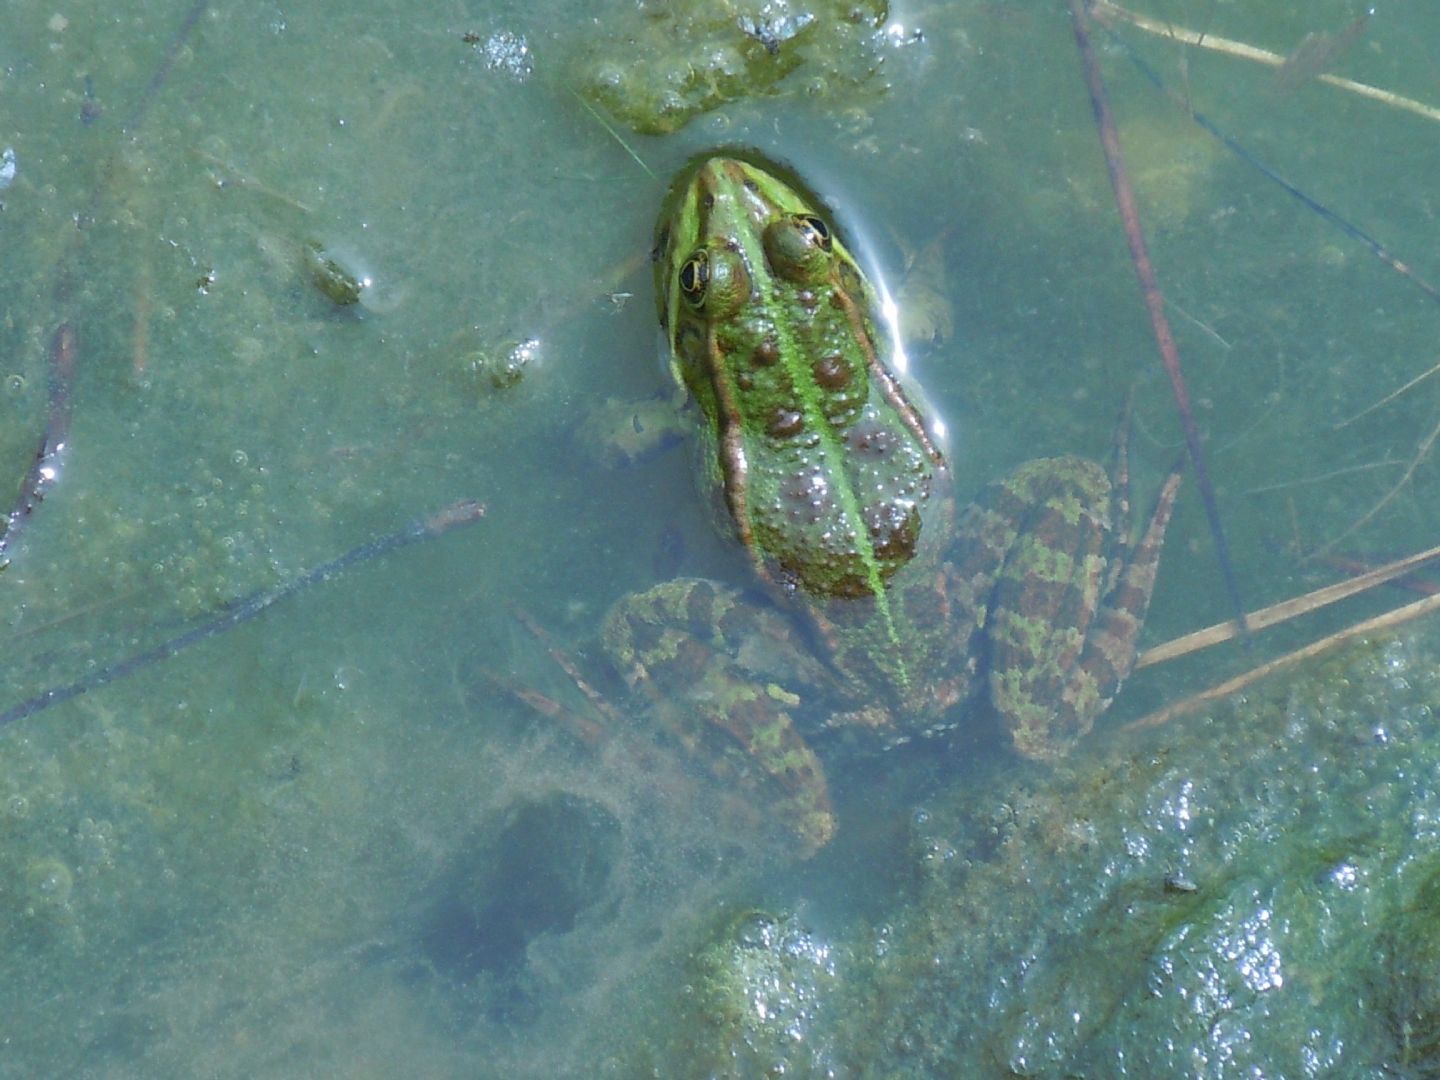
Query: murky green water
x,y
326,843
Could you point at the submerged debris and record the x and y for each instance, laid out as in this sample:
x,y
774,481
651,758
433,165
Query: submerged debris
x,y
340,284
500,367
1317,52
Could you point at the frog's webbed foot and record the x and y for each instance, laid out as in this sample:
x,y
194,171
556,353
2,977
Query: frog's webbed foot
x,y
712,664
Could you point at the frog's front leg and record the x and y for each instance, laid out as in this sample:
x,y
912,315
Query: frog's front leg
x,y
717,668
1069,600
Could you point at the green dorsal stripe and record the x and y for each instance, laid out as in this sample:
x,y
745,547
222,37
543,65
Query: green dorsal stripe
x,y
811,401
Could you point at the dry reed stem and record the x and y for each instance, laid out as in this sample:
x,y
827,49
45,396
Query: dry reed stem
x,y
1380,623
1229,47
1286,610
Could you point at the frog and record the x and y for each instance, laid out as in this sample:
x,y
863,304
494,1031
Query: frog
x,y
878,606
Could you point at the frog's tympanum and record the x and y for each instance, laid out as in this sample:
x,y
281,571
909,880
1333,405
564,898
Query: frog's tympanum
x,y
889,611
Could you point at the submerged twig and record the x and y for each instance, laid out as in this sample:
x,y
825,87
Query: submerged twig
x,y
44,469
45,466
244,180
1388,398
1154,299
162,70
247,608
1323,478
1419,456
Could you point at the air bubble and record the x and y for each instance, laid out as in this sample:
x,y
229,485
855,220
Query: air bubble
x,y
50,882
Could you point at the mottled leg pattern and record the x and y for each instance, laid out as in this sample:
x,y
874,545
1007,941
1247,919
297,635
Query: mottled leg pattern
x,y
713,666
1066,618
1052,595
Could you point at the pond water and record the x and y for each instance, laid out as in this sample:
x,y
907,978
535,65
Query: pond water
x,y
333,839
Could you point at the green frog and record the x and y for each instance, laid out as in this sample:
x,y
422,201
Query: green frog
x,y
887,611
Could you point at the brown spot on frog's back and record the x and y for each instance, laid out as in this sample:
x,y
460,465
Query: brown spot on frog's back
x,y
832,372
785,423
894,528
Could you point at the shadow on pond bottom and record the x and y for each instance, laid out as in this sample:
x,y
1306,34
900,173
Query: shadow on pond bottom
x,y
541,866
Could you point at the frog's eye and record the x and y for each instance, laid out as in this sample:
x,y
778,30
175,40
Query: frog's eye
x,y
695,278
819,232
798,247
714,282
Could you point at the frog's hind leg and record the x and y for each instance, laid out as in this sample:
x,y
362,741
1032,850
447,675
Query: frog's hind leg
x,y
1128,597
1111,644
1066,621
712,665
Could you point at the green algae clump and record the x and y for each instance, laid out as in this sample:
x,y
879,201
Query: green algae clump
x,y
667,63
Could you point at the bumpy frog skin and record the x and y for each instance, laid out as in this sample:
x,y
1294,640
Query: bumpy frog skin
x,y
890,613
